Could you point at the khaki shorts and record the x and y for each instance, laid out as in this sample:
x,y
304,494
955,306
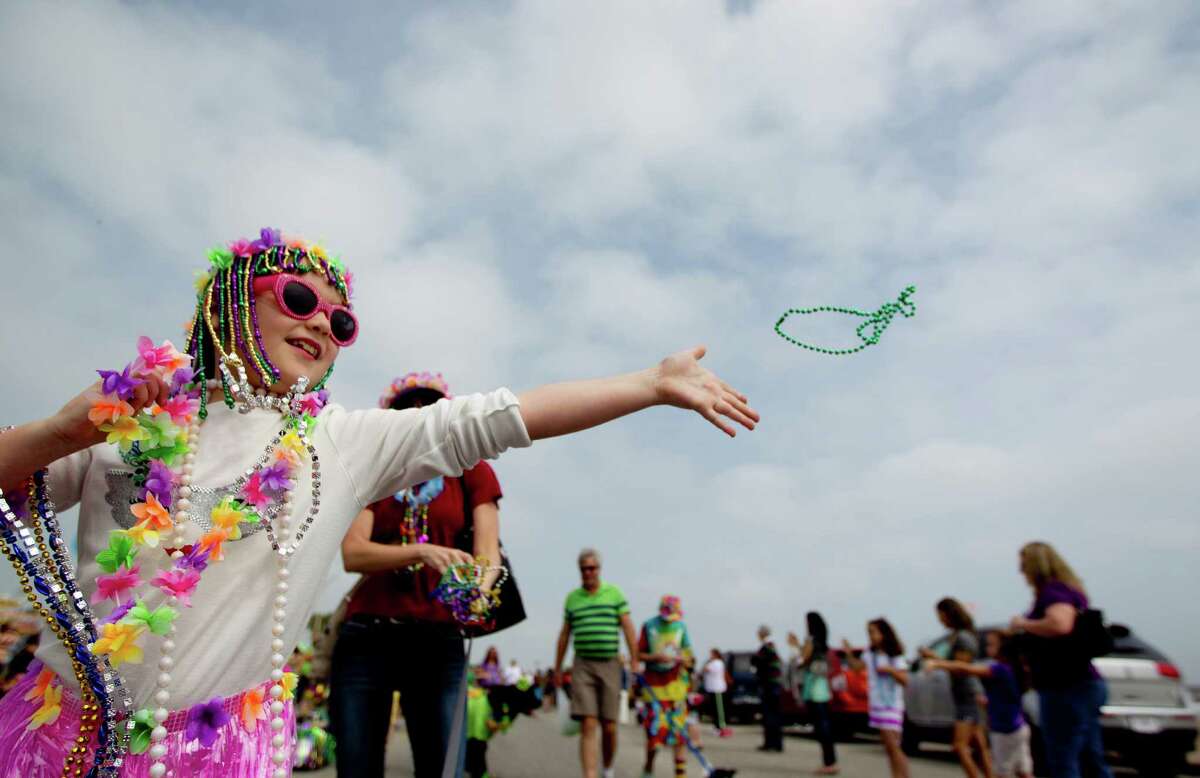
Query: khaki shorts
x,y
1010,753
596,689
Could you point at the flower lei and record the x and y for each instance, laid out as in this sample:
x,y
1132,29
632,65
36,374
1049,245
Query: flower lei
x,y
152,442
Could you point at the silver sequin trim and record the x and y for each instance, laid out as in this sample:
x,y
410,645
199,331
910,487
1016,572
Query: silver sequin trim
x,y
122,493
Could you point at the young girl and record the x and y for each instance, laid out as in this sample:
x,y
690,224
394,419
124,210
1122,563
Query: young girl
x,y
816,691
168,677
1003,677
969,734
887,676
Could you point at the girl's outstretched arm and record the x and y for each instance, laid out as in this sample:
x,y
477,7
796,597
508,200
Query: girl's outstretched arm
x,y
679,380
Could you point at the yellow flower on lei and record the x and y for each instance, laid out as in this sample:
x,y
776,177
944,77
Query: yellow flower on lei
x,y
227,518
289,685
51,696
120,643
125,431
142,535
291,442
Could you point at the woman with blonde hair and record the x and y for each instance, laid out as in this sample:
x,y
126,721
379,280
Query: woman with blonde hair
x,y
1070,691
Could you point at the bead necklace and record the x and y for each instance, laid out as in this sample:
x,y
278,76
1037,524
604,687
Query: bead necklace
x,y
414,529
43,567
461,590
877,322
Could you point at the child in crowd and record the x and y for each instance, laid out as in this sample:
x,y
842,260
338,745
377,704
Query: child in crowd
x,y
887,676
1004,681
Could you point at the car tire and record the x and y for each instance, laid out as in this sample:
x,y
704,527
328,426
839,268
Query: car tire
x,y
910,739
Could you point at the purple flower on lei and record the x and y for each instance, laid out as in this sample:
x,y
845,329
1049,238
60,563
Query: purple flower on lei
x,y
196,559
204,721
159,481
183,376
275,477
119,612
121,384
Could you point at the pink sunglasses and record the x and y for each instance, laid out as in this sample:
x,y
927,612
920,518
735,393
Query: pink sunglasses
x,y
301,300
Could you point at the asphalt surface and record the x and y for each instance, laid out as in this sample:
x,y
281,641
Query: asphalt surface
x,y
534,749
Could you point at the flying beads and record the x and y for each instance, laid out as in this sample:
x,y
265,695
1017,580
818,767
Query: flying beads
x,y
869,331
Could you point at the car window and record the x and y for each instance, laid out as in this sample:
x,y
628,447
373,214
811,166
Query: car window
x,y
741,664
1127,645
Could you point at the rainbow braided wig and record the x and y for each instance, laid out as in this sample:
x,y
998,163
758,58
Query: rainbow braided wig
x,y
226,322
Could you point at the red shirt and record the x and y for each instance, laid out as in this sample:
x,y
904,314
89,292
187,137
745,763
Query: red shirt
x,y
403,594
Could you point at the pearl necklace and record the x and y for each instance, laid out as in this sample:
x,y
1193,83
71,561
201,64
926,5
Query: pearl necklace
x,y
248,400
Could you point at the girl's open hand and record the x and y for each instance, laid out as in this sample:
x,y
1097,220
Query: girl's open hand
x,y
72,425
682,382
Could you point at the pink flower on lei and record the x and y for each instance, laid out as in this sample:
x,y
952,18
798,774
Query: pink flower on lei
x,y
313,402
158,360
253,493
182,408
116,585
177,583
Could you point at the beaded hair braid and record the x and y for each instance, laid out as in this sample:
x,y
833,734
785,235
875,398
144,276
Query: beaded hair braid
x,y
226,319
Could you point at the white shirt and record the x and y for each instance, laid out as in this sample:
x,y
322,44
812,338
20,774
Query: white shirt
x,y
714,677
512,675
224,638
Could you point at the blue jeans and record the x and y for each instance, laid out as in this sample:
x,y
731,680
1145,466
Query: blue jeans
x,y
1071,729
425,663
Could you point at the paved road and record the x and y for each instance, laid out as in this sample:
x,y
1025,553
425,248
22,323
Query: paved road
x,y
534,749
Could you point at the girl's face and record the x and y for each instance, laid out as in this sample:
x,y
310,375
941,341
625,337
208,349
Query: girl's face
x,y
993,645
874,636
298,347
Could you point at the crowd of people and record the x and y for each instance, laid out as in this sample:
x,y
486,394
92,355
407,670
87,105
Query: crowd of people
x,y
1048,648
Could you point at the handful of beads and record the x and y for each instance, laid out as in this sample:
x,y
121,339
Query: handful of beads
x,y
461,590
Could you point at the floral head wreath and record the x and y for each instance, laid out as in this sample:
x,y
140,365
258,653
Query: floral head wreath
x,y
226,321
670,608
412,381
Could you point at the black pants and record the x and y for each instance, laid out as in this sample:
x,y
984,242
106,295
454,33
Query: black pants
x,y
823,729
425,663
772,721
476,766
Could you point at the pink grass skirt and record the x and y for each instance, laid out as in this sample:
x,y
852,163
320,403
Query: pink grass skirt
x,y
39,753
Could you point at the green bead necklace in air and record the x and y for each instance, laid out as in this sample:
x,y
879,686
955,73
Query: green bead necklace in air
x,y
877,322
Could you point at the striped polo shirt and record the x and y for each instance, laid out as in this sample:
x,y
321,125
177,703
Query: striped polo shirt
x,y
595,620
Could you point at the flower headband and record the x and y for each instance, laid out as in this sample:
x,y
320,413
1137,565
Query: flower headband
x,y
407,383
670,608
225,324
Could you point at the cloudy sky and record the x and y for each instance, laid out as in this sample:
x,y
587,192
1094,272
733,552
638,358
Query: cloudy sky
x,y
533,191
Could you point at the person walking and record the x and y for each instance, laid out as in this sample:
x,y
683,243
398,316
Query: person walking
x,y
963,646
715,685
396,637
666,649
816,691
768,668
597,614
1070,691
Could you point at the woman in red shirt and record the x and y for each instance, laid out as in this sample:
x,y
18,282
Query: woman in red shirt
x,y
396,637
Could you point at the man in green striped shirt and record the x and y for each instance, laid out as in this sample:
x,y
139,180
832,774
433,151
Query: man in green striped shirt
x,y
596,613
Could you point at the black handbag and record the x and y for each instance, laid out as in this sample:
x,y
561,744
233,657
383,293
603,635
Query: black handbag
x,y
511,609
